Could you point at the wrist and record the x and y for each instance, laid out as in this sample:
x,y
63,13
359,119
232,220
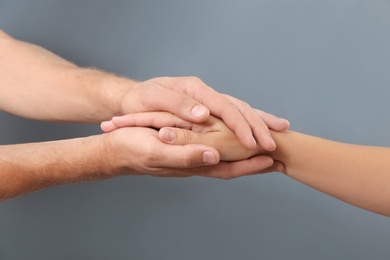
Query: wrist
x,y
281,153
114,157
108,89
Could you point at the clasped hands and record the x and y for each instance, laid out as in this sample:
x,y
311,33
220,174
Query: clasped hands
x,y
160,136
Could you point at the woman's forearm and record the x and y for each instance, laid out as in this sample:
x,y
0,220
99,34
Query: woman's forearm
x,y
359,175
37,84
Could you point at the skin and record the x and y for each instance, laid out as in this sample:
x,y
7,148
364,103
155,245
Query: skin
x,y
39,85
50,88
356,174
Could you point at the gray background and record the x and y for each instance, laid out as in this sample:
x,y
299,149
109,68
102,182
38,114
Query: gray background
x,y
322,64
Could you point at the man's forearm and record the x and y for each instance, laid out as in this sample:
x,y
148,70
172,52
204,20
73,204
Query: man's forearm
x,y
37,84
29,167
359,175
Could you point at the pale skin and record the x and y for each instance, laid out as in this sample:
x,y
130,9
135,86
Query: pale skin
x,y
39,85
359,175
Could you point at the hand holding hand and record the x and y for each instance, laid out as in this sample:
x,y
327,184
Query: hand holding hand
x,y
180,134
191,99
138,150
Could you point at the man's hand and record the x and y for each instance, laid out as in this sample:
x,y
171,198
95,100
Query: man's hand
x,y
50,88
138,150
191,99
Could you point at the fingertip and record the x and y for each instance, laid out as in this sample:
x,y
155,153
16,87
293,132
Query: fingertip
x,y
267,142
271,146
210,158
287,125
279,166
166,135
268,161
247,141
200,112
103,126
196,155
107,126
283,125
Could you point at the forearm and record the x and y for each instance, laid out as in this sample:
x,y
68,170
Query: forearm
x,y
37,84
359,175
30,167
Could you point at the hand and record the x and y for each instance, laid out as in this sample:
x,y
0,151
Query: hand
x,y
191,99
138,150
213,133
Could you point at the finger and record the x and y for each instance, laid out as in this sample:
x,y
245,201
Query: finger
x,y
220,107
156,97
179,136
278,167
273,122
259,127
231,170
108,126
275,167
186,156
150,119
234,119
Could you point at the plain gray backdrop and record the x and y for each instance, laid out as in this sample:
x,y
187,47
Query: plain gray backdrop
x,y
324,65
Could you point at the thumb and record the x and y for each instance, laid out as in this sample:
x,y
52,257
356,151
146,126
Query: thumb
x,y
179,136
190,140
175,102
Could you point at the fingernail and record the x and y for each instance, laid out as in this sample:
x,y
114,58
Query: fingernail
x,y
209,157
198,111
167,135
254,141
105,123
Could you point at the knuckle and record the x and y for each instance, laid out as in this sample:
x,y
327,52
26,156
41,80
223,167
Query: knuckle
x,y
245,105
184,100
195,79
161,79
260,113
187,160
152,88
233,107
148,94
184,136
229,109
